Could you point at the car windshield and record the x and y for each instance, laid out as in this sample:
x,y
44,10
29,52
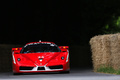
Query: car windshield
x,y
41,47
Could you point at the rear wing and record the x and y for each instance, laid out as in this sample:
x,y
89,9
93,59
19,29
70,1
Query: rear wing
x,y
64,48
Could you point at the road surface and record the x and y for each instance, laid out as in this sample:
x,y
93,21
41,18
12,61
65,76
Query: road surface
x,y
75,74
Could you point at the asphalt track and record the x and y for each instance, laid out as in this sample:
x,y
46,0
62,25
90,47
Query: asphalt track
x,y
75,74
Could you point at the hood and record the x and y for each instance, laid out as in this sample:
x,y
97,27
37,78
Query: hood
x,y
40,59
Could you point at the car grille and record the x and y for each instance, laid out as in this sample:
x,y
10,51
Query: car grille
x,y
25,68
41,68
56,67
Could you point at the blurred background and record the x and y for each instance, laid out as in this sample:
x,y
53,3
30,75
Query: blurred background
x,y
70,23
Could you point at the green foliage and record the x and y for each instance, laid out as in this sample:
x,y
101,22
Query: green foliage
x,y
108,70
118,22
107,26
113,26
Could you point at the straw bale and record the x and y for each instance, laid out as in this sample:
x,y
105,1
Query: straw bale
x,y
115,50
100,45
106,50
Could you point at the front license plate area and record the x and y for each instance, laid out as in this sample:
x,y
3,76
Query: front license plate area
x,y
41,68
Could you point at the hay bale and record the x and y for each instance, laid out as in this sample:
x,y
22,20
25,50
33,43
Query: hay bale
x,y
100,45
115,50
106,51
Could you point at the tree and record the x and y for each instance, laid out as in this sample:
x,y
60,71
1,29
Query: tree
x,y
113,26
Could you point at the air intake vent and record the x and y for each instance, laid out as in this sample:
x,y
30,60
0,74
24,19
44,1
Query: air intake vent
x,y
56,67
25,68
41,68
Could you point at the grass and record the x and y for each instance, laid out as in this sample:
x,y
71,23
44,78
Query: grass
x,y
108,70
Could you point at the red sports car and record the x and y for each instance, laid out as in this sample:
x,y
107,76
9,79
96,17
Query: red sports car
x,y
40,57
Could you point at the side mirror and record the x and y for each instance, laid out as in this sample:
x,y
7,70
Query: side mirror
x,y
16,50
64,48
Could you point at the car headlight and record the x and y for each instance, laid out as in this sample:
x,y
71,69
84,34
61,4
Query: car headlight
x,y
18,59
67,57
14,60
62,57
